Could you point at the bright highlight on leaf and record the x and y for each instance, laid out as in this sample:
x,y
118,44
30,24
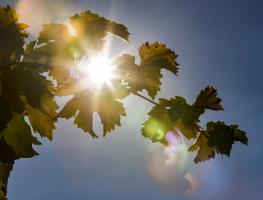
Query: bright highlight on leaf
x,y
71,30
99,70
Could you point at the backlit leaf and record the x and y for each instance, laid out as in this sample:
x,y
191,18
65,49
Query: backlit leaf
x,y
91,30
147,75
154,57
18,136
170,115
207,99
217,138
85,104
204,151
184,116
158,124
40,122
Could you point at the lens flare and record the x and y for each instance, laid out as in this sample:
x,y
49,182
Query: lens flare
x,y
170,166
174,141
47,11
99,70
176,149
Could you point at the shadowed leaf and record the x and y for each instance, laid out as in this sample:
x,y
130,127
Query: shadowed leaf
x,y
204,151
18,136
170,115
217,138
207,99
12,36
7,154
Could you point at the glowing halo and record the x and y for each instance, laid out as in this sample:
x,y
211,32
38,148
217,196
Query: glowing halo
x,y
99,70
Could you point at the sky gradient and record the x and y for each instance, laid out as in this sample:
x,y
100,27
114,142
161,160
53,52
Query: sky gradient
x,y
219,43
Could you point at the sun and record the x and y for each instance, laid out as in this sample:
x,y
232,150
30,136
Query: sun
x,y
99,70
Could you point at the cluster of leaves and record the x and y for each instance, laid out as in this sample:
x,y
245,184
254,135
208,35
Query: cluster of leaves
x,y
107,103
24,94
27,94
216,138
33,73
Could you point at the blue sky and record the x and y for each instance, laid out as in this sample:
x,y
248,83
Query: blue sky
x,y
219,43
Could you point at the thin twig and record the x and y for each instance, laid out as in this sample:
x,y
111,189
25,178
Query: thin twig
x,y
145,98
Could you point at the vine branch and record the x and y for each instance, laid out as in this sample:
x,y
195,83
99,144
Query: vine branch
x,y
145,98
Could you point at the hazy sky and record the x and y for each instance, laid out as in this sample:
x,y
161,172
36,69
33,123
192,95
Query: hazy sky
x,y
219,43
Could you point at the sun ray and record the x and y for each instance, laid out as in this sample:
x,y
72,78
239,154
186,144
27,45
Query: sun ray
x,y
99,70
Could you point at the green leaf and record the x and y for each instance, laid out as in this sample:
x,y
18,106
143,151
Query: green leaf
x,y
158,124
91,30
12,36
58,50
147,75
45,114
176,113
170,115
129,72
207,99
154,57
184,116
85,104
40,122
18,136
158,54
204,151
7,154
15,82
239,134
22,80
217,138
8,16
54,32
49,105
222,136
5,112
39,57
